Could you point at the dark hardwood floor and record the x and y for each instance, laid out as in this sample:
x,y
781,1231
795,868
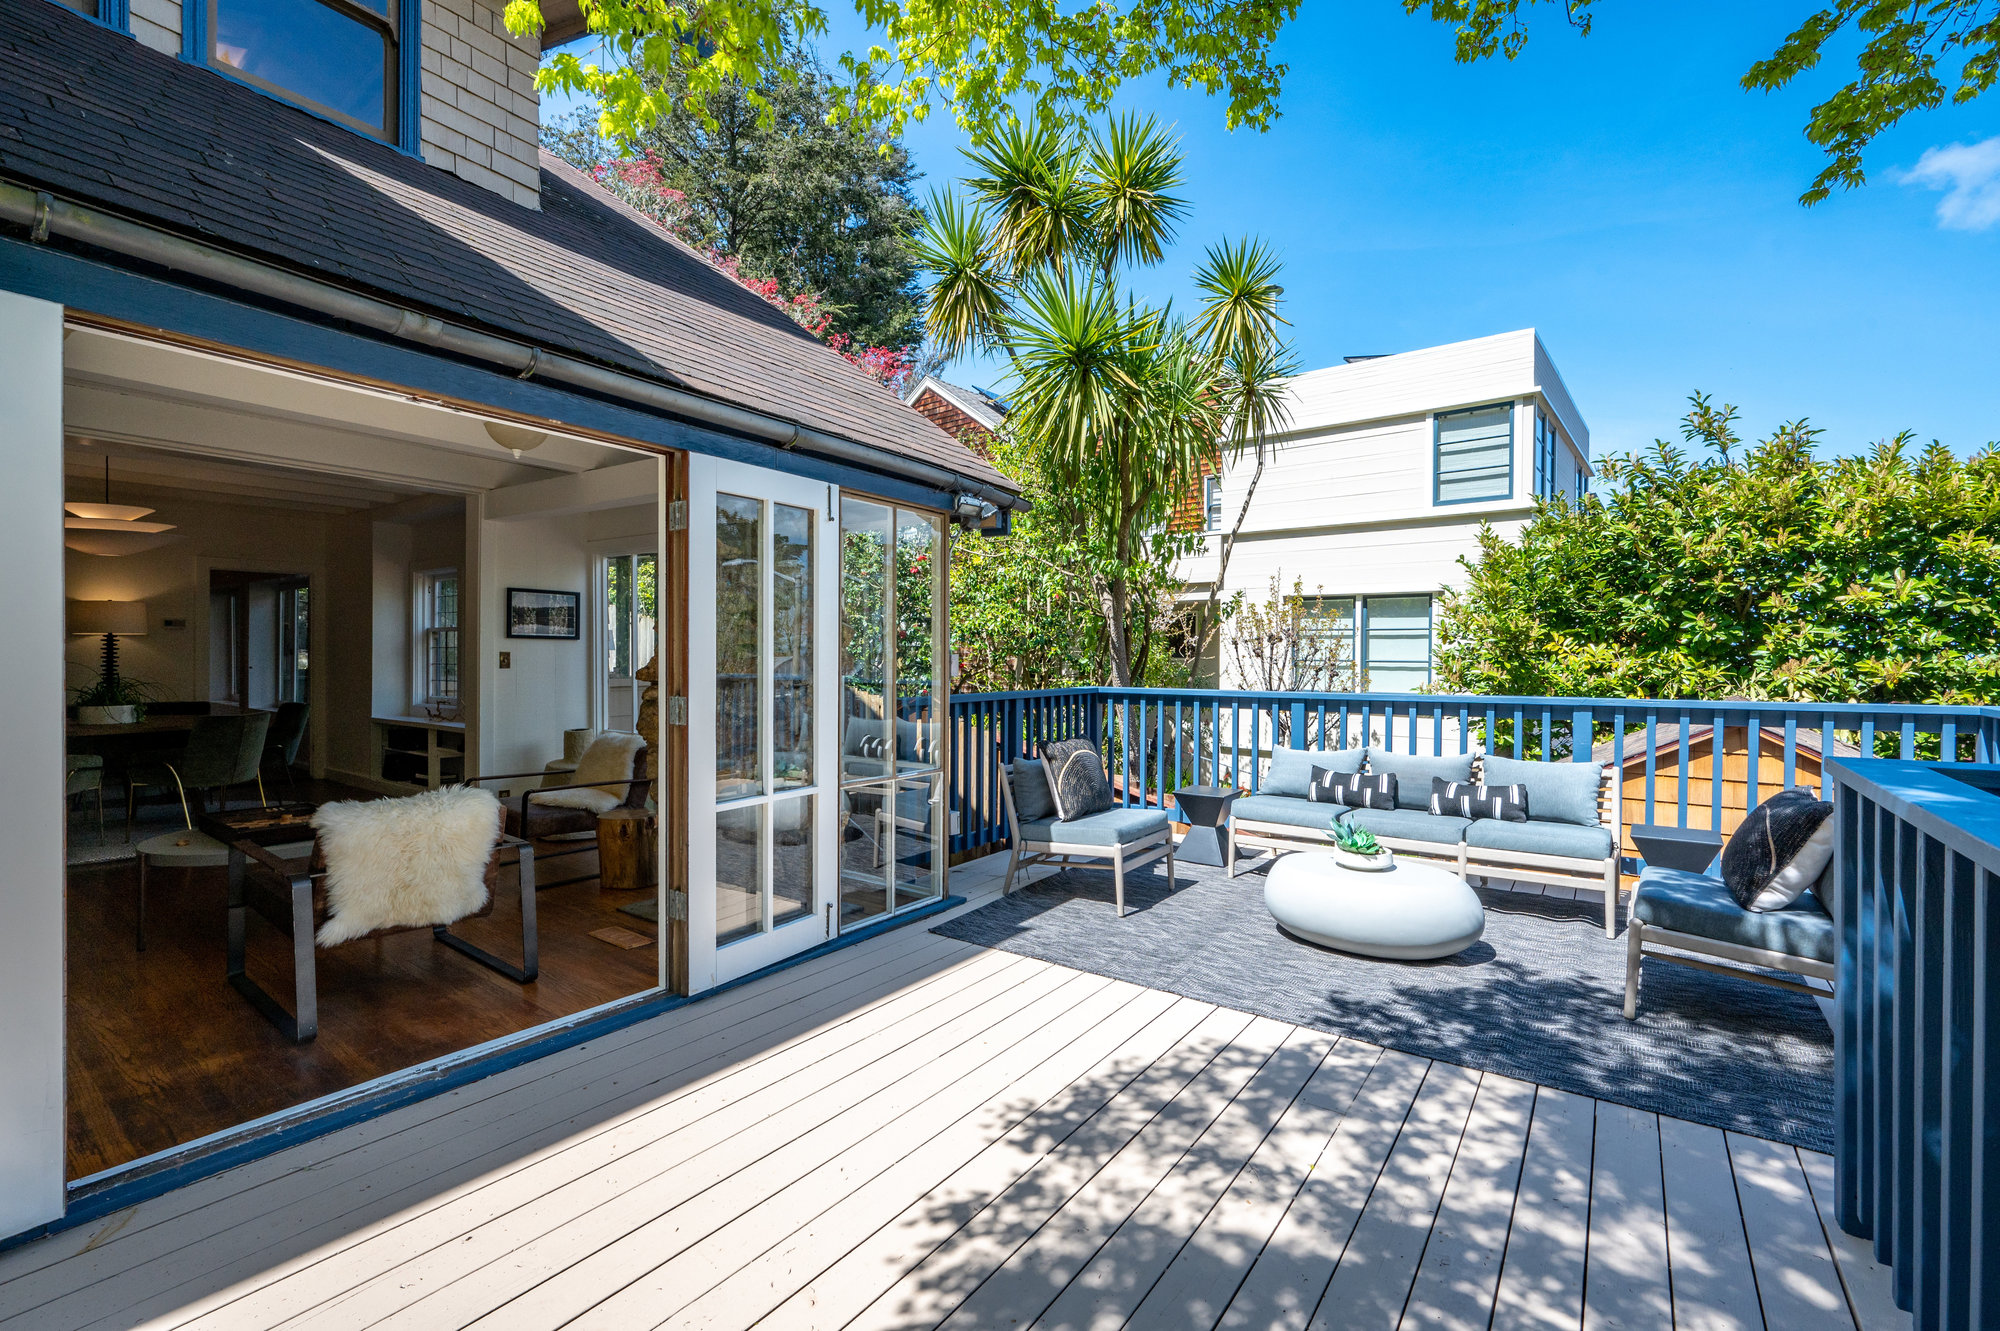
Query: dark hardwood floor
x,y
163,1051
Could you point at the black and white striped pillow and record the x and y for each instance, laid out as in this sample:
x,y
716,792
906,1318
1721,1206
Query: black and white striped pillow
x,y
1374,791
872,746
1462,799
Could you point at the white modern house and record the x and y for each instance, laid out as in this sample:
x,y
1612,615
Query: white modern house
x,y
1381,481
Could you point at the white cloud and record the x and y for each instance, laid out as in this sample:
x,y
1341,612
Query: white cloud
x,y
1970,175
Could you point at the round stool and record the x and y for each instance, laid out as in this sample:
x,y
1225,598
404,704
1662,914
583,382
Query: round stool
x,y
185,849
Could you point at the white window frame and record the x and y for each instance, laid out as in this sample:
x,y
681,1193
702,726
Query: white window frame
x,y
1211,502
421,629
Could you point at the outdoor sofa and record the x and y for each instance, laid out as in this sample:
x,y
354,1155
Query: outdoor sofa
x,y
1569,840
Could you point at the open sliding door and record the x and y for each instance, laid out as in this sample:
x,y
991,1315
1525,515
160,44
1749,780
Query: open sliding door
x,y
762,773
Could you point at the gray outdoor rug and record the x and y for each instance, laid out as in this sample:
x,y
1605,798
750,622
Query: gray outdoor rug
x,y
1538,998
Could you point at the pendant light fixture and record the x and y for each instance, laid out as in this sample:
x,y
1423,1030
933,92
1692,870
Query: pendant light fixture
x,y
112,529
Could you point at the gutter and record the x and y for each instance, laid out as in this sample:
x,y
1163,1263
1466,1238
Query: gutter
x,y
45,215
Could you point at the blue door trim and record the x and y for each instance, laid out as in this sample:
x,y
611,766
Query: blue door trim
x,y
100,288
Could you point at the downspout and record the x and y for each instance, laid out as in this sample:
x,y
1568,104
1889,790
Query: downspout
x,y
47,215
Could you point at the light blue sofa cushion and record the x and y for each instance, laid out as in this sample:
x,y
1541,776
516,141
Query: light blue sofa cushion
x,y
1032,799
1284,809
1409,824
1114,827
1694,903
1291,770
1564,792
1414,772
1540,837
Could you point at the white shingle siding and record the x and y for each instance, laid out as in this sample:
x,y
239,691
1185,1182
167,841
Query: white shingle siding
x,y
157,23
480,110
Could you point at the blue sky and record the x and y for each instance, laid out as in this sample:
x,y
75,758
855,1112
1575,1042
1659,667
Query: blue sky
x,y
1620,194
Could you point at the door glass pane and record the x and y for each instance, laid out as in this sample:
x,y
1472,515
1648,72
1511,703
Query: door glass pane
x,y
645,610
791,646
739,873
866,743
791,859
919,869
864,853
919,542
738,579
1397,643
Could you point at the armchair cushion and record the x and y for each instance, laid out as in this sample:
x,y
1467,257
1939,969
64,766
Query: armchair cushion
x,y
1114,827
1694,903
405,863
609,760
1032,798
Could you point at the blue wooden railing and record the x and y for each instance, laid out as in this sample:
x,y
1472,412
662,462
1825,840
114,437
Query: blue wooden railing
x,y
1917,1040
1156,740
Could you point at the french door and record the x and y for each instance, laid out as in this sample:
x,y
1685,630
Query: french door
x,y
761,730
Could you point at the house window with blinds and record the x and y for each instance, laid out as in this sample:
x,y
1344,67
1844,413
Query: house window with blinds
x,y
1475,454
1395,643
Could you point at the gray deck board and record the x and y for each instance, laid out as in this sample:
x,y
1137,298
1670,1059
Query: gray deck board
x,y
914,1133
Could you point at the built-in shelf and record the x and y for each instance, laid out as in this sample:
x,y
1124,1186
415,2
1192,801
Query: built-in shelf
x,y
418,751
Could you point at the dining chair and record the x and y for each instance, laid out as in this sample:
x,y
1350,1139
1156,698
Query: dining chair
x,y
221,751
288,731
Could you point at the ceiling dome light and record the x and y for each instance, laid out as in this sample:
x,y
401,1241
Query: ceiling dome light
x,y
516,439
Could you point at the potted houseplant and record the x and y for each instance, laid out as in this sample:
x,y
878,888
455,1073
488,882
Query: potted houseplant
x,y
1357,848
112,701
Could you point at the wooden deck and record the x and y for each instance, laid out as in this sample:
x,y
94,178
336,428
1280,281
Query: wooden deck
x,y
914,1132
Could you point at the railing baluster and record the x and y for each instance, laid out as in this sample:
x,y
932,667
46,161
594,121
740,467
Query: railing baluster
x,y
1753,731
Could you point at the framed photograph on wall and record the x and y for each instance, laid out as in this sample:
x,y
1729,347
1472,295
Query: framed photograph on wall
x,y
532,613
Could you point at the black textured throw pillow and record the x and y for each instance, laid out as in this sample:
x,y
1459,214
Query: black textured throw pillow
x,y
872,746
1462,799
1076,778
1779,851
1324,788
1376,790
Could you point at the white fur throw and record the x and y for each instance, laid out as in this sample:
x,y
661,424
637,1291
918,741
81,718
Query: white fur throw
x,y
403,863
608,759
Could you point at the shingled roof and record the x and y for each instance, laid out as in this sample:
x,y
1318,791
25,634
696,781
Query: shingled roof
x,y
94,116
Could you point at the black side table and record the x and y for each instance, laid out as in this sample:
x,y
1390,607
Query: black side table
x,y
1689,848
1205,809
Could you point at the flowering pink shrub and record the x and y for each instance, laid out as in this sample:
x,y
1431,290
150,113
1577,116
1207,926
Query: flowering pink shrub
x,y
641,183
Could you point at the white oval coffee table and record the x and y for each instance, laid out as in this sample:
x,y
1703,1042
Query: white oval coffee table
x,y
1412,912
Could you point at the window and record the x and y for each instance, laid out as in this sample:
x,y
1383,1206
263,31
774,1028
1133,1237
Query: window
x,y
1475,454
1211,503
437,636
1329,634
339,58
1395,643
112,13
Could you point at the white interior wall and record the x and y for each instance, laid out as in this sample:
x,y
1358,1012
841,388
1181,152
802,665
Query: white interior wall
x,y
31,800
547,685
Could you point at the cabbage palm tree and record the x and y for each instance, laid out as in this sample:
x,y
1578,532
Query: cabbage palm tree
x,y
1118,403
